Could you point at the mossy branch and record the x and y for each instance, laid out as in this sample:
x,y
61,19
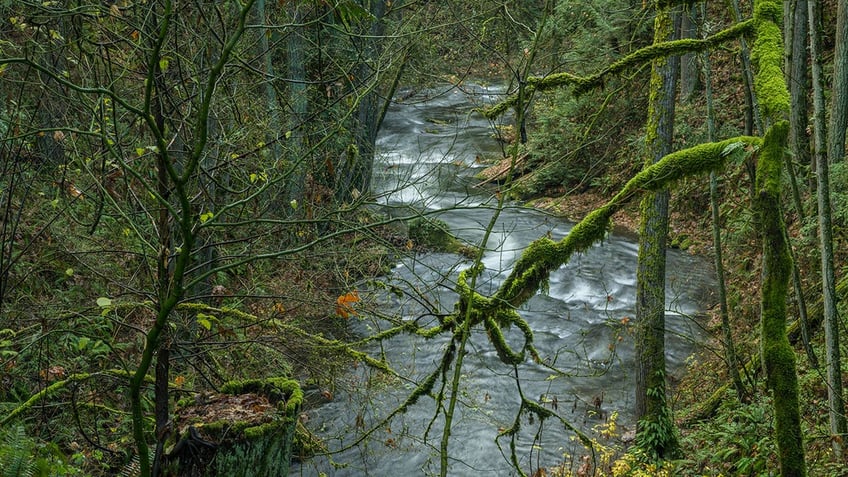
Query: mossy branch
x,y
544,255
534,266
640,57
55,388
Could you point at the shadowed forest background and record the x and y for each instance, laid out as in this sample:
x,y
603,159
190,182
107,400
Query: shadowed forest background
x,y
212,235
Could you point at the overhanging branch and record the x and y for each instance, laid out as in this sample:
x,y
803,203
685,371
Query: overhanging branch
x,y
643,56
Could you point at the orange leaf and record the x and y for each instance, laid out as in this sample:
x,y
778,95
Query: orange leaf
x,y
344,307
179,381
74,192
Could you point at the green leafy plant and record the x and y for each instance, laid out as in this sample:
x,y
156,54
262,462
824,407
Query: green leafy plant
x,y
16,451
737,442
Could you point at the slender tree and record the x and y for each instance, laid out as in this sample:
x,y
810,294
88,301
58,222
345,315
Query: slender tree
x,y
833,359
689,72
656,433
724,312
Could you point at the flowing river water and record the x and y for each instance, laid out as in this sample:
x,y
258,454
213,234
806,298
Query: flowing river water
x,y
428,150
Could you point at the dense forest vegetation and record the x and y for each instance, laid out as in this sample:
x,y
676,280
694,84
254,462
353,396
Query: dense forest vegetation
x,y
190,226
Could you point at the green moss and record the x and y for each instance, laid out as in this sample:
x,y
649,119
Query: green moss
x,y
682,242
769,10
643,56
770,85
778,357
496,337
770,161
279,390
435,234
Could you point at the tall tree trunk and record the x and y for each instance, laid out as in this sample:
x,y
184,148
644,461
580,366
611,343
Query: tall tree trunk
x,y
799,141
655,434
839,97
753,120
689,72
778,356
274,131
795,63
356,167
836,404
299,104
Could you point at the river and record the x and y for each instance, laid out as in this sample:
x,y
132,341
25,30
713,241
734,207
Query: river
x,y
429,145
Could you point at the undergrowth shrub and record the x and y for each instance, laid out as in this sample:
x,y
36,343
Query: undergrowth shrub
x,y
737,441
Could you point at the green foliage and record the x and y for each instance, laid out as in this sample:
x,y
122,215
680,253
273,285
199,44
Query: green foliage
x,y
16,451
574,137
737,441
22,456
657,439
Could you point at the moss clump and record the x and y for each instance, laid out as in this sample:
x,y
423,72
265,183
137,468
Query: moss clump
x,y
682,242
285,393
434,234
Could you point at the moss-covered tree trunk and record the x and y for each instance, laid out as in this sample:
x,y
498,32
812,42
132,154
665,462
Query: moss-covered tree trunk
x,y
356,170
656,434
778,356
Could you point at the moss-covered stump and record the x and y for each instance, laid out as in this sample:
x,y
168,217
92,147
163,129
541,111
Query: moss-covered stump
x,y
245,431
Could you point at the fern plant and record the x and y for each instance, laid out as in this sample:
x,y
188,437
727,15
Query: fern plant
x,y
16,454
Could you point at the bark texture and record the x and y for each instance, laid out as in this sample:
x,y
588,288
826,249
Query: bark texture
x,y
655,433
836,404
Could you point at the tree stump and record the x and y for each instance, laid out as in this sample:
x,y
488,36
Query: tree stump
x,y
245,431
